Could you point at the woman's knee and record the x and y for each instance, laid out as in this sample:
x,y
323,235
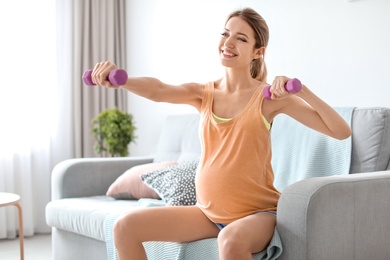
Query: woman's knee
x,y
126,226
231,242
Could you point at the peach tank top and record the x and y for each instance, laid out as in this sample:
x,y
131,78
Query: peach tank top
x,y
235,178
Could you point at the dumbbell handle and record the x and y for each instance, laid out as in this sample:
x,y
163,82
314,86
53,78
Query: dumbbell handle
x,y
293,86
116,77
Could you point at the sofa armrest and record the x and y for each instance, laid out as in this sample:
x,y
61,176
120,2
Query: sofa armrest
x,y
89,176
338,217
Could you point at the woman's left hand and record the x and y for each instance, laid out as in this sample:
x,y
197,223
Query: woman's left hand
x,y
278,89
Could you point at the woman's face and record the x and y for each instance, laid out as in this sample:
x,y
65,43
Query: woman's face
x,y
236,46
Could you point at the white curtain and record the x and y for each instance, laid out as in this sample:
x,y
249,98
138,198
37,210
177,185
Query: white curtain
x,y
45,109
98,34
35,130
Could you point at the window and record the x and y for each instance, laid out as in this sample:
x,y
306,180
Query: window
x,y
28,74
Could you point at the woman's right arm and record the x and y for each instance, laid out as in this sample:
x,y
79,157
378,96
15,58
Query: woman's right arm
x,y
152,88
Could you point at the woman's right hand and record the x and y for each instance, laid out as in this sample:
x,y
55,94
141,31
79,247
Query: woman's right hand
x,y
100,74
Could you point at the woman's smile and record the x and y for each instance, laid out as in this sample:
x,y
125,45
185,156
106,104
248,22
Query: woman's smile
x,y
228,54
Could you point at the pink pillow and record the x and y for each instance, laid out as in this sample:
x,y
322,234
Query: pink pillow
x,y
130,186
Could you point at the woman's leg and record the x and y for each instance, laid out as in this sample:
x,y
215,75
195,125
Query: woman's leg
x,y
171,224
243,237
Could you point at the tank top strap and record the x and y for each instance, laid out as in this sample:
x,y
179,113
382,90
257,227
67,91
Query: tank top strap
x,y
260,99
260,95
207,100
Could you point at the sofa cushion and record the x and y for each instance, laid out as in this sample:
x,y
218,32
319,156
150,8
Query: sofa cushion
x,y
85,216
130,186
174,184
179,139
370,140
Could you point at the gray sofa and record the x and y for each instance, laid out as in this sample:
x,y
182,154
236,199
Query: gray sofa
x,y
337,217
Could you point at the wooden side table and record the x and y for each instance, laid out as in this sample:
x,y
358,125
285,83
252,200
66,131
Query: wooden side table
x,y
7,199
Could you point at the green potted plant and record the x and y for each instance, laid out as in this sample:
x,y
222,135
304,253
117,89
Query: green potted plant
x,y
113,131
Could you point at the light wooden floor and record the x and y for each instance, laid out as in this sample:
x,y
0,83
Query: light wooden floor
x,y
37,247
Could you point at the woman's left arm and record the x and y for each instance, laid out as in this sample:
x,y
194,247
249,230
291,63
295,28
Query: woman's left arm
x,y
313,112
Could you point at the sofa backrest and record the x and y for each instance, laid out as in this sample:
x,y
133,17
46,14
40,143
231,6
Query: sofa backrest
x,y
179,139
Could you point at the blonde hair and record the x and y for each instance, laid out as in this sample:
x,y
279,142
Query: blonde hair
x,y
260,27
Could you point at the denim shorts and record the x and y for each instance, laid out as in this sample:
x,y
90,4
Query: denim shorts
x,y
221,226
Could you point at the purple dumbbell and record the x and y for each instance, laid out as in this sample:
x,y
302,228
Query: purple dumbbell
x,y
117,77
293,86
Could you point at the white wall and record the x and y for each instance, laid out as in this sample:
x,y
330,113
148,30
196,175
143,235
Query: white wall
x,y
338,48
